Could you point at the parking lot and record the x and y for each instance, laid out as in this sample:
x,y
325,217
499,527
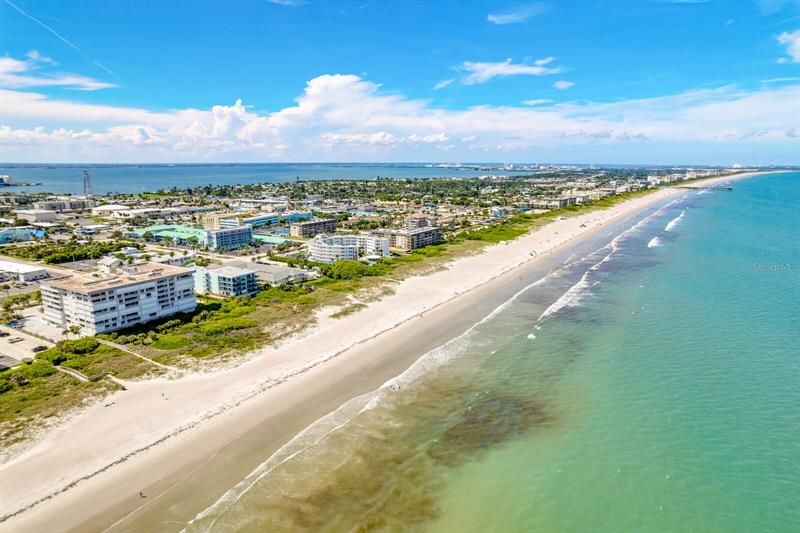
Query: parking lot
x,y
33,321
18,344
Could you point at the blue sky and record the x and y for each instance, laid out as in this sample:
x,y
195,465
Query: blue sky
x,y
628,82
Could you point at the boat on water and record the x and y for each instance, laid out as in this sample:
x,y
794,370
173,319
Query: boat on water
x,y
8,181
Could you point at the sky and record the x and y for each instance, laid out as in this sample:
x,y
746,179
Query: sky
x,y
639,82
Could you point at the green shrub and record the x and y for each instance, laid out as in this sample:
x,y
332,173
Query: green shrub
x,y
76,363
218,327
40,369
80,346
170,342
5,386
347,269
54,356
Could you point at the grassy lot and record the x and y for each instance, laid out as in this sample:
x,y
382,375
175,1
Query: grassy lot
x,y
222,328
31,395
54,252
36,395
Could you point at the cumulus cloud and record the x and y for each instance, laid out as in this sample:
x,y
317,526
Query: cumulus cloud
x,y
481,72
26,73
563,85
345,117
517,15
792,43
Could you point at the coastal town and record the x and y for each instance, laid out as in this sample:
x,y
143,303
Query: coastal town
x,y
101,289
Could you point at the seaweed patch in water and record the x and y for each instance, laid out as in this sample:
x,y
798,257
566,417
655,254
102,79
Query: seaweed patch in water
x,y
490,419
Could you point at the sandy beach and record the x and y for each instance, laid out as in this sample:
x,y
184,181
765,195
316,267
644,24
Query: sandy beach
x,y
166,449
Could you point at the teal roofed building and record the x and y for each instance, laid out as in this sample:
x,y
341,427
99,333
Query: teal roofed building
x,y
221,239
21,234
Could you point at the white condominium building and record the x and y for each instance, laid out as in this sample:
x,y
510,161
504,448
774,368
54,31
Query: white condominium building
x,y
332,248
136,295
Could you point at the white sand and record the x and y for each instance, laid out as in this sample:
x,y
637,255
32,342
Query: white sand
x,y
159,415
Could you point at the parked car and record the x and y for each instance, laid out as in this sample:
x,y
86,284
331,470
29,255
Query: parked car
x,y
4,334
15,340
37,349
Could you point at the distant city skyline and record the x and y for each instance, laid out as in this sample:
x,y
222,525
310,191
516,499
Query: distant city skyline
x,y
661,82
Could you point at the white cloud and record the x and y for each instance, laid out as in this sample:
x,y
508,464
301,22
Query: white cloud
x,y
537,101
288,3
21,74
481,72
792,43
442,84
346,118
36,57
518,15
563,85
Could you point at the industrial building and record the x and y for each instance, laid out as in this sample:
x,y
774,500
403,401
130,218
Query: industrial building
x,y
21,272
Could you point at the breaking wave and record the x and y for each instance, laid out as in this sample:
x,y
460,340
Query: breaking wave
x,y
654,242
316,433
675,221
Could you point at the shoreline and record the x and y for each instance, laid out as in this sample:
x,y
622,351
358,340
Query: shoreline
x,y
252,410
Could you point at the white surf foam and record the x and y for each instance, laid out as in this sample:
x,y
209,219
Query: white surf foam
x,y
675,221
654,242
315,433
580,290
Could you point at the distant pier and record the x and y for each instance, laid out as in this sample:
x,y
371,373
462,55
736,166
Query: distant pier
x,y
689,187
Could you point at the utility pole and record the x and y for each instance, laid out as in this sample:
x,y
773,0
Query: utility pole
x,y
87,184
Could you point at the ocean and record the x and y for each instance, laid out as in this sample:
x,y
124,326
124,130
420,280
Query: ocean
x,y
149,178
649,381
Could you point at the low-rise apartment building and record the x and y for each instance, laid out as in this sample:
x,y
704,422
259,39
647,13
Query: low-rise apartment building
x,y
131,296
332,248
230,238
420,220
249,218
34,216
311,228
64,204
226,281
404,239
220,239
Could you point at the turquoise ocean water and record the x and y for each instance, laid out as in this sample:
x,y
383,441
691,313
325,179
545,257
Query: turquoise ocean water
x,y
649,382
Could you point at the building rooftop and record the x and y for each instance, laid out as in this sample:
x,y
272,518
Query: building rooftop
x,y
231,271
128,276
19,268
313,221
175,231
270,239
